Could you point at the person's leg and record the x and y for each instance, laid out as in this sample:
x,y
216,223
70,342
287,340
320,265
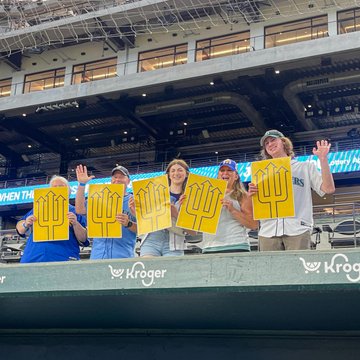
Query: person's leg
x,y
271,244
152,245
298,242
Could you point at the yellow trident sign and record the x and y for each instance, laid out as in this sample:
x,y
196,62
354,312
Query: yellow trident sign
x,y
152,203
50,208
104,203
275,191
201,208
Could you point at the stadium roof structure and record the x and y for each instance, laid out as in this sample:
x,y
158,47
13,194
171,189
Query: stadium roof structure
x,y
36,25
187,117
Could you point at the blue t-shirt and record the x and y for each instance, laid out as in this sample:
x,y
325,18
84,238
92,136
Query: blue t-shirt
x,y
174,198
46,251
116,248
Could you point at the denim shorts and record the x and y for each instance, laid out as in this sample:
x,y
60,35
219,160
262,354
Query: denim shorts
x,y
157,244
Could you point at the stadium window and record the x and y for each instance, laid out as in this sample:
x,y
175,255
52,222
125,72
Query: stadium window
x,y
162,58
223,46
348,21
5,87
95,70
44,80
296,31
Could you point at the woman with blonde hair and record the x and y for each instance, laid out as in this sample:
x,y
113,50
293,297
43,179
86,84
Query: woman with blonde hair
x,y
235,218
169,242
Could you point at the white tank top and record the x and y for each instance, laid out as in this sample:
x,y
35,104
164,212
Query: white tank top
x,y
229,232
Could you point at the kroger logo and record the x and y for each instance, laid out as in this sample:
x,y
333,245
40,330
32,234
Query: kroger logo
x,y
138,271
338,264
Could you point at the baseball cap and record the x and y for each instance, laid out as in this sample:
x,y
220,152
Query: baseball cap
x,y
271,133
122,169
231,164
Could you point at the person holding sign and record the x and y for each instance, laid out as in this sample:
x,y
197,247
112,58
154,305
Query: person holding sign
x,y
111,248
60,250
169,242
235,218
294,233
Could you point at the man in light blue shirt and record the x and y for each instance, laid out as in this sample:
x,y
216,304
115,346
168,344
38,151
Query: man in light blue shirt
x,y
111,248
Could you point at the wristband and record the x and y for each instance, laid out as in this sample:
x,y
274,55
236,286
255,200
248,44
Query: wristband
x,y
24,226
82,184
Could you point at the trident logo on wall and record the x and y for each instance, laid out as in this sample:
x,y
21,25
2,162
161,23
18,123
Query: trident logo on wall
x,y
50,207
105,202
274,181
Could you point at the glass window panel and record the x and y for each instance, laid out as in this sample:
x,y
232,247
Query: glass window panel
x,y
5,87
222,46
348,21
44,80
321,20
296,31
162,58
76,79
97,70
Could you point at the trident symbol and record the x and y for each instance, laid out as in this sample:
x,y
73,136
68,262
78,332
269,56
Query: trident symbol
x,y
50,215
152,198
205,198
272,186
104,209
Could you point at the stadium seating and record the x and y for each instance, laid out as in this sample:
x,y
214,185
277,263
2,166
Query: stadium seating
x,y
344,234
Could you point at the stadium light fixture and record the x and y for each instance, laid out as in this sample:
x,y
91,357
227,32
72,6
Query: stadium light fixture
x,y
61,106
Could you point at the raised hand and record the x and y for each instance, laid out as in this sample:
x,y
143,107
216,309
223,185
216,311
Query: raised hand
x,y
82,174
322,149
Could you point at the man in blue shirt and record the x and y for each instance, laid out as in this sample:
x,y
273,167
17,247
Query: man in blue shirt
x,y
111,248
62,250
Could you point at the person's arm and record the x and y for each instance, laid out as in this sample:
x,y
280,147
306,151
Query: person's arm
x,y
79,231
321,151
245,215
124,220
23,226
83,178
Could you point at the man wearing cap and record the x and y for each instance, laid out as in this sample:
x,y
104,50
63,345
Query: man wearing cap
x,y
294,233
111,248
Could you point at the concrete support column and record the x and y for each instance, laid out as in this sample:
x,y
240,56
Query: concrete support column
x,y
332,22
68,74
256,36
121,62
17,83
191,51
131,62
